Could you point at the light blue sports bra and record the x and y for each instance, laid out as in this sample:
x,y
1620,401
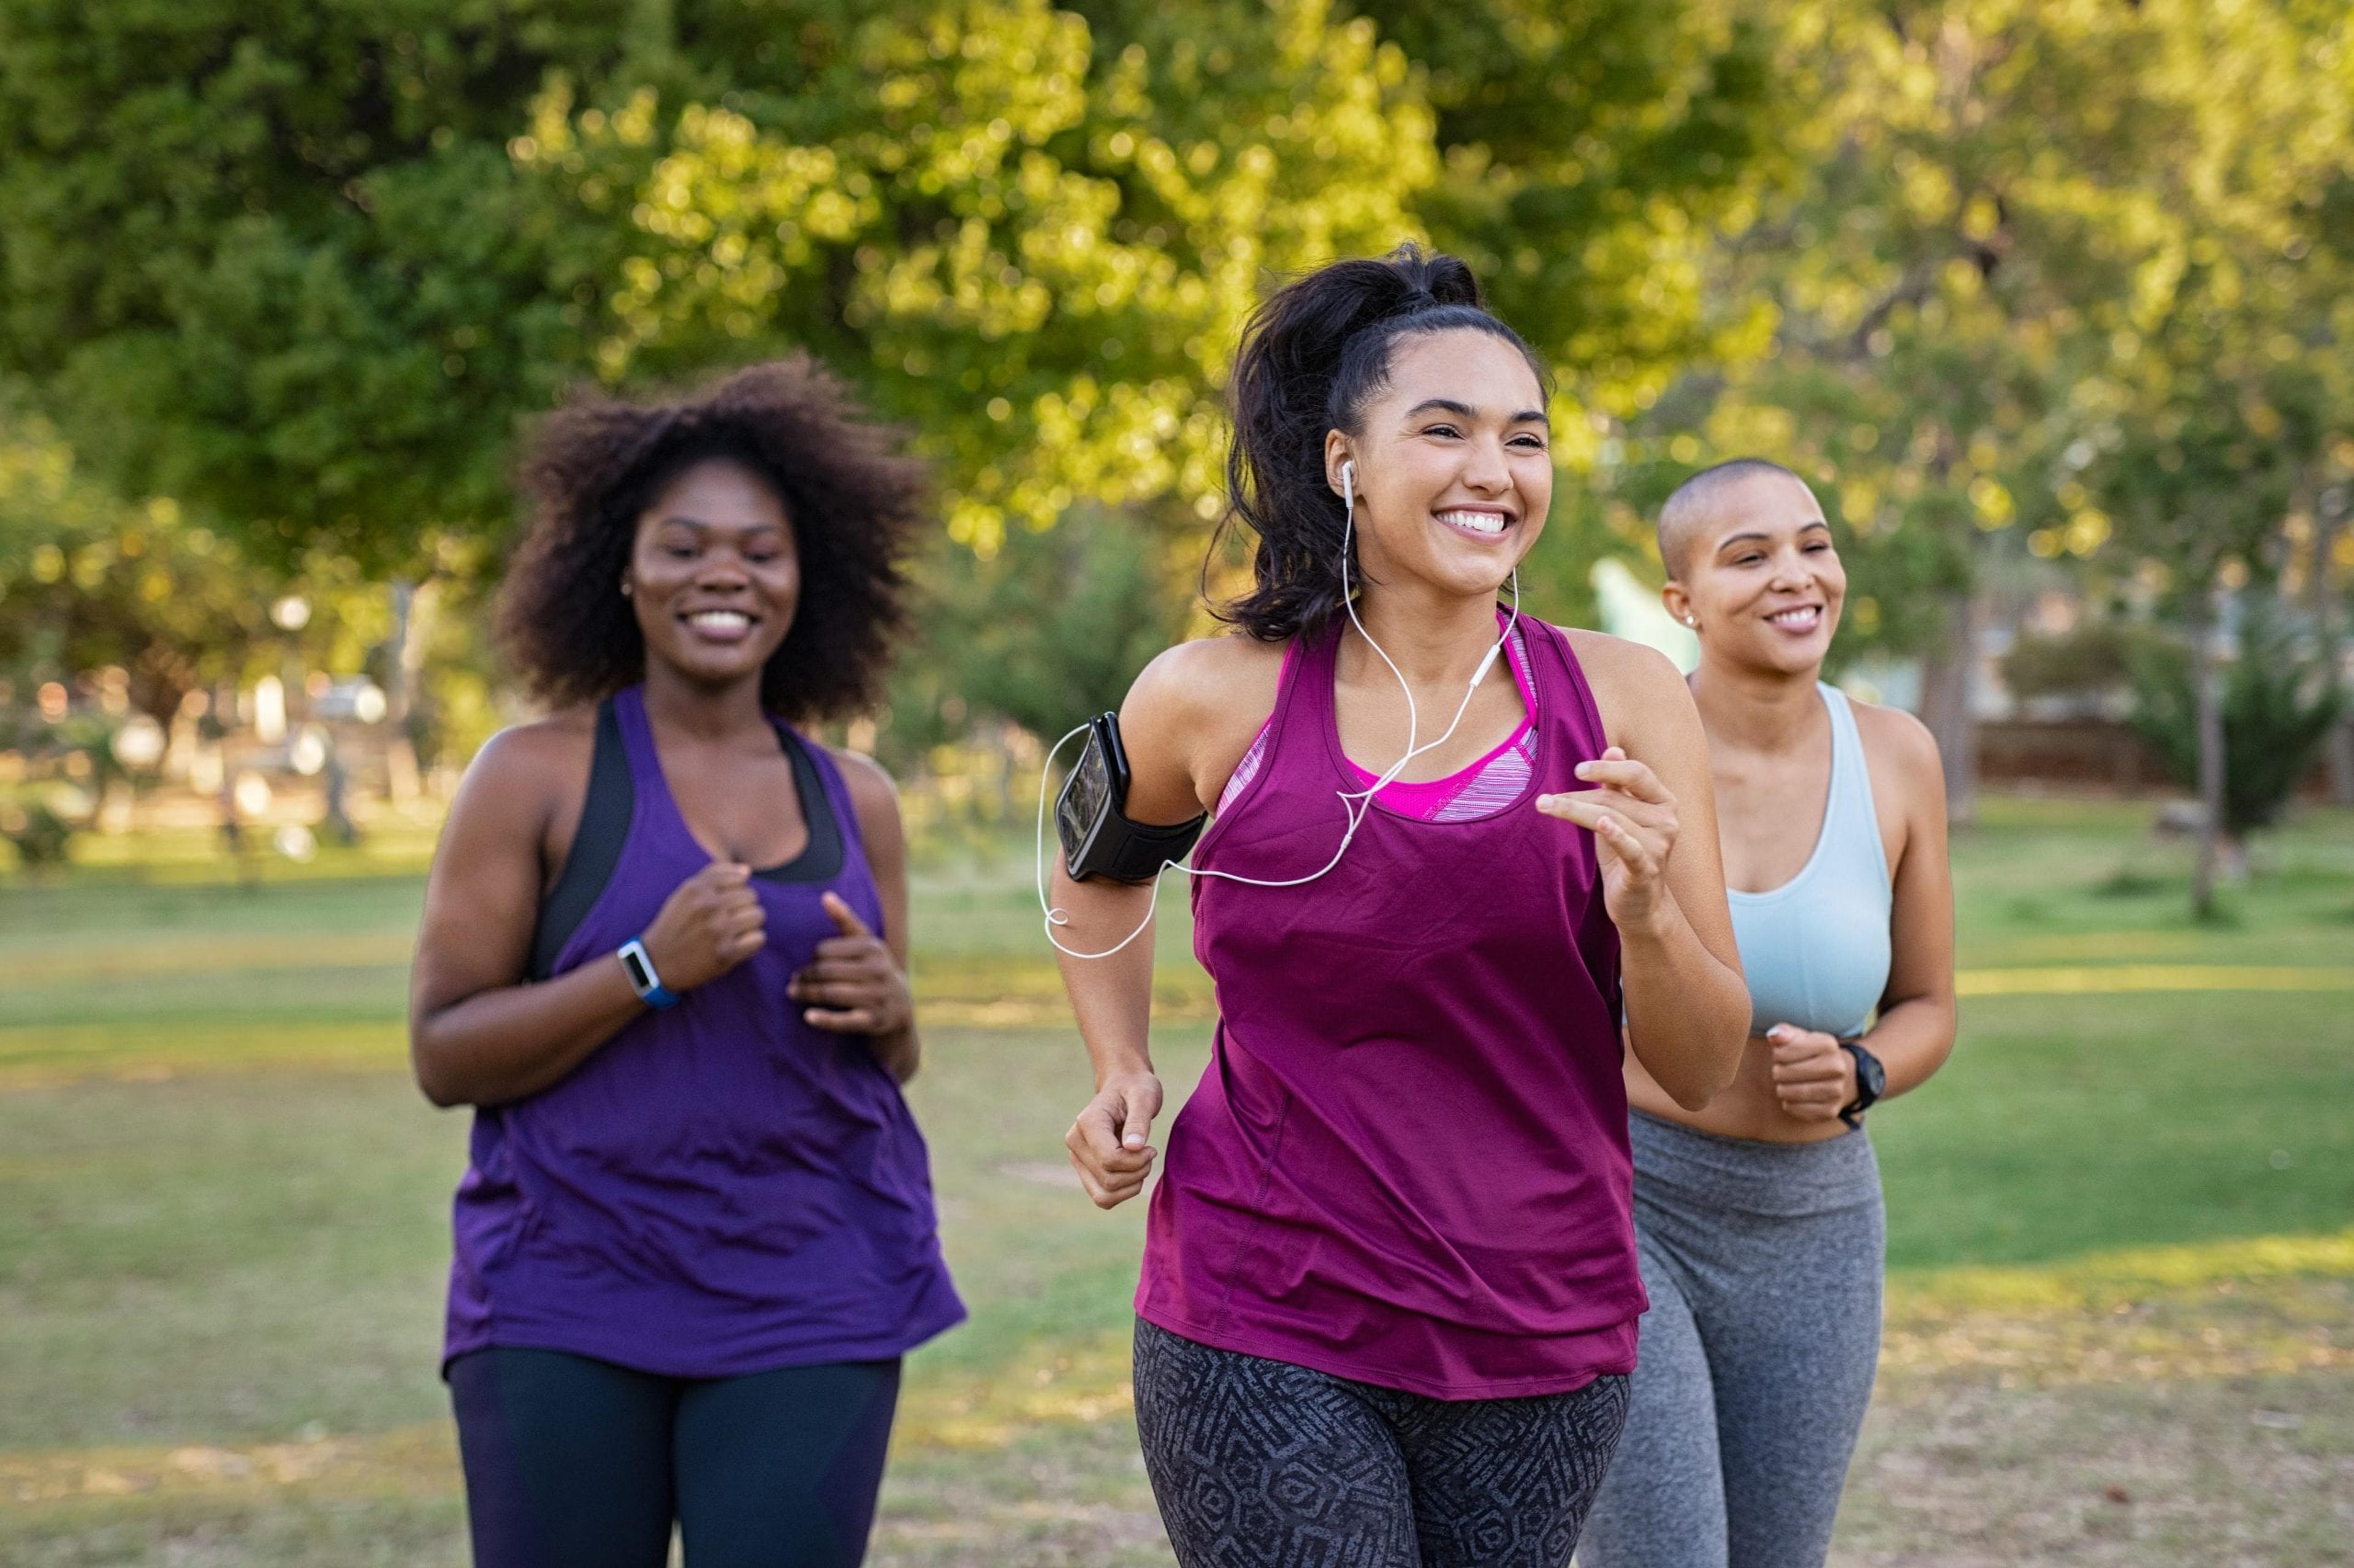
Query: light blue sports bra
x,y
1815,950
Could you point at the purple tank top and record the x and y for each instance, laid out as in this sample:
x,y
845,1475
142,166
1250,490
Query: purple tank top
x,y
1406,1163
720,1188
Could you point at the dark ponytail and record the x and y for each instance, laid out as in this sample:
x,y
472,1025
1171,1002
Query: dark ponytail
x,y
1312,355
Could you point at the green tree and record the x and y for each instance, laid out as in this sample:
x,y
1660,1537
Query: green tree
x,y
1048,630
1941,279
1035,251
273,260
1594,155
2225,394
305,266
2273,705
88,581
1997,199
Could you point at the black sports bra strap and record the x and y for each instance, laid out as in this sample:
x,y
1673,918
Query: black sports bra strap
x,y
597,845
822,858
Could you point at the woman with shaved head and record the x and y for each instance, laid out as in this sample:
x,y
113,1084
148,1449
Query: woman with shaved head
x,y
1758,1218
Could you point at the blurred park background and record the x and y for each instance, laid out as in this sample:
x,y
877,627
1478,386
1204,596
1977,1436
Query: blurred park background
x,y
2050,297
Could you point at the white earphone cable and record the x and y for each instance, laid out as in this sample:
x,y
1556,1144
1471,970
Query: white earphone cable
x,y
1354,803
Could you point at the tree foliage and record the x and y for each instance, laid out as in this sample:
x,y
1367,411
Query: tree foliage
x,y
1594,155
1050,629
303,267
86,580
271,259
2013,281
2278,701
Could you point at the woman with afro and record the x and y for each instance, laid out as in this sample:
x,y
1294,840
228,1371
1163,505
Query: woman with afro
x,y
664,957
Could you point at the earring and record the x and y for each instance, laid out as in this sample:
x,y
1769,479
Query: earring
x,y
625,588
1693,621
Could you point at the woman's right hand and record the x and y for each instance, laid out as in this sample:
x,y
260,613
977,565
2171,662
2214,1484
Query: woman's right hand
x,y
1109,1140
710,922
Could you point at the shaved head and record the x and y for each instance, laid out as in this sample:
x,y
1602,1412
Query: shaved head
x,y
1697,505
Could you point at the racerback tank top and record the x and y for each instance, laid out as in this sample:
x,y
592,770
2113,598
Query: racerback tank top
x,y
1815,950
1406,1163
720,1188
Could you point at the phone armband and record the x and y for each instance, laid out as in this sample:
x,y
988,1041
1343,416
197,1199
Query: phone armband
x,y
1091,819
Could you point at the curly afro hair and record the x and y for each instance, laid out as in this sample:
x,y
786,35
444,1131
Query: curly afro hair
x,y
592,469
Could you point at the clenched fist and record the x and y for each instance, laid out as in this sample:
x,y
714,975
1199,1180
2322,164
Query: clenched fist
x,y
710,922
1110,1138
1814,1076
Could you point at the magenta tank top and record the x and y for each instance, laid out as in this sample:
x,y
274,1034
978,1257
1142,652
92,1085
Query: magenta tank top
x,y
1406,1163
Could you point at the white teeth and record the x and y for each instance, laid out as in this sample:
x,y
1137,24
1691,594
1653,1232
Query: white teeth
x,y
1477,522
720,620
1806,617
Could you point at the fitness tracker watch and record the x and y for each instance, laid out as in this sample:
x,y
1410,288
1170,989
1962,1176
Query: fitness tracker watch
x,y
640,968
1870,1083
1091,816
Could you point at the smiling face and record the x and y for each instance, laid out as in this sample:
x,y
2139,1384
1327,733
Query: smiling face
x,y
1760,577
1453,463
713,573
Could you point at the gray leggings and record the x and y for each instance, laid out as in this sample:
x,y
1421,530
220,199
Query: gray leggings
x,y
1763,1262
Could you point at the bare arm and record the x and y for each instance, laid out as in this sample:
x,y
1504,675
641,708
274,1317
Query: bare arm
x,y
479,1032
1918,1017
1915,1032
1185,725
1653,815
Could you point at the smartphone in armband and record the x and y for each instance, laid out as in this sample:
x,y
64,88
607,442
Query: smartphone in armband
x,y
1091,818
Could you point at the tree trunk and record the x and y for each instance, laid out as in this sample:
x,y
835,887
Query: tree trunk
x,y
1948,685
2207,689
413,605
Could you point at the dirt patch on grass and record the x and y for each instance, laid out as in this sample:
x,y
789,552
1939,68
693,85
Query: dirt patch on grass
x,y
2255,1471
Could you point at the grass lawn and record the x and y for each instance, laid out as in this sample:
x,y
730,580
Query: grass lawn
x,y
2121,1320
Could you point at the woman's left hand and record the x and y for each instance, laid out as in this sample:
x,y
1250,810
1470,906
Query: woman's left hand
x,y
1814,1076
853,986
1633,818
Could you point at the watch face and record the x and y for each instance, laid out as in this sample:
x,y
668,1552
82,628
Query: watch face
x,y
1872,1075
638,977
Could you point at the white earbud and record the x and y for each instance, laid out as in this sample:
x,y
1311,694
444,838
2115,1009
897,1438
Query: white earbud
x,y
1354,803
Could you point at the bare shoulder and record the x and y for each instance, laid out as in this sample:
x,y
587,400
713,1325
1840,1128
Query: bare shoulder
x,y
1217,683
872,792
1638,689
525,786
537,758
1189,717
1604,656
1902,746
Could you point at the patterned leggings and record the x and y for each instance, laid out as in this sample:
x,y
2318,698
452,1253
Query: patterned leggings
x,y
1273,1466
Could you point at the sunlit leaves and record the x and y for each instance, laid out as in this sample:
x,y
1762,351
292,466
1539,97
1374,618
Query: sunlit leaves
x,y
308,265
1012,222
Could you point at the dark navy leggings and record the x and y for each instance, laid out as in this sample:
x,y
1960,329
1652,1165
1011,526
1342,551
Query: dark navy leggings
x,y
574,1463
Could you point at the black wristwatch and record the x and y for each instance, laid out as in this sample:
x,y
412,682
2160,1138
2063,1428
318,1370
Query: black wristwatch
x,y
1870,1083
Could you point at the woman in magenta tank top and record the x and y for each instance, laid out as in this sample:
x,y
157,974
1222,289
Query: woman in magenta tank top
x,y
664,957
1389,1293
